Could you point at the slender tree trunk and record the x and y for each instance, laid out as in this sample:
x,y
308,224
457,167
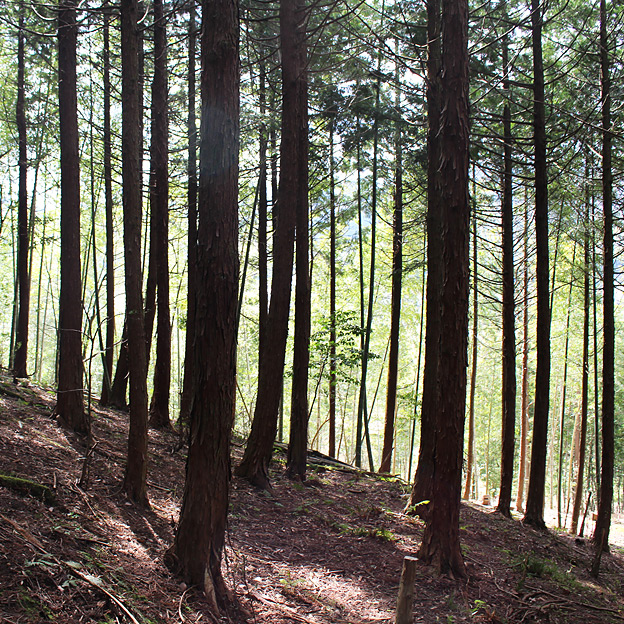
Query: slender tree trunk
x,y
417,383
135,478
509,309
595,358
333,380
534,513
263,292
440,545
69,406
564,387
582,444
359,417
473,370
421,490
524,400
119,388
255,463
159,191
298,443
363,413
605,501
187,384
23,273
108,200
200,539
397,274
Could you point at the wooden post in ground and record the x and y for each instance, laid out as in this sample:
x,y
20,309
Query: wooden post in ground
x,y
406,592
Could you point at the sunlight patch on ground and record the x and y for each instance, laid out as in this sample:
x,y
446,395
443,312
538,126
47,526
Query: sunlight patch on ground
x,y
317,591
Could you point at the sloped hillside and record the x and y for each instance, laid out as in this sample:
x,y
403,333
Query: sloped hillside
x,y
329,551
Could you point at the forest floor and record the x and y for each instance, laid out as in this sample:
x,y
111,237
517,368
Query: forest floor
x,y
328,551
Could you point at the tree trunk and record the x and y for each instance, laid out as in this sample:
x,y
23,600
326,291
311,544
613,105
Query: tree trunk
x,y
473,370
23,273
534,513
562,407
255,463
187,384
199,542
397,274
605,501
363,413
69,406
524,400
582,443
108,200
440,545
159,194
298,443
263,292
135,478
119,387
421,490
359,418
333,380
509,309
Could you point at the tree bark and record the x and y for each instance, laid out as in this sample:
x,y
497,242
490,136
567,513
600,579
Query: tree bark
x,y
187,384
23,273
159,195
421,490
395,314
199,542
509,310
298,443
255,463
333,379
582,443
263,291
605,501
135,478
562,408
70,405
440,545
108,200
534,513
524,399
473,368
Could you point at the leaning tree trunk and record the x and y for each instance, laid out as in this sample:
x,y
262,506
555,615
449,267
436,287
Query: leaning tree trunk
x,y
421,490
605,501
159,192
70,405
534,513
509,311
255,463
440,545
23,273
135,478
199,542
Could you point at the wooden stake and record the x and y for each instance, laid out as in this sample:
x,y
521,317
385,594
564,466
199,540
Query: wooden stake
x,y
406,591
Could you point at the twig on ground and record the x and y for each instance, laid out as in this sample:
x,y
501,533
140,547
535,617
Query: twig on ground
x,y
585,605
35,543
182,618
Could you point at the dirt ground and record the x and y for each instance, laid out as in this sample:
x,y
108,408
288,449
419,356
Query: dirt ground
x,y
329,551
